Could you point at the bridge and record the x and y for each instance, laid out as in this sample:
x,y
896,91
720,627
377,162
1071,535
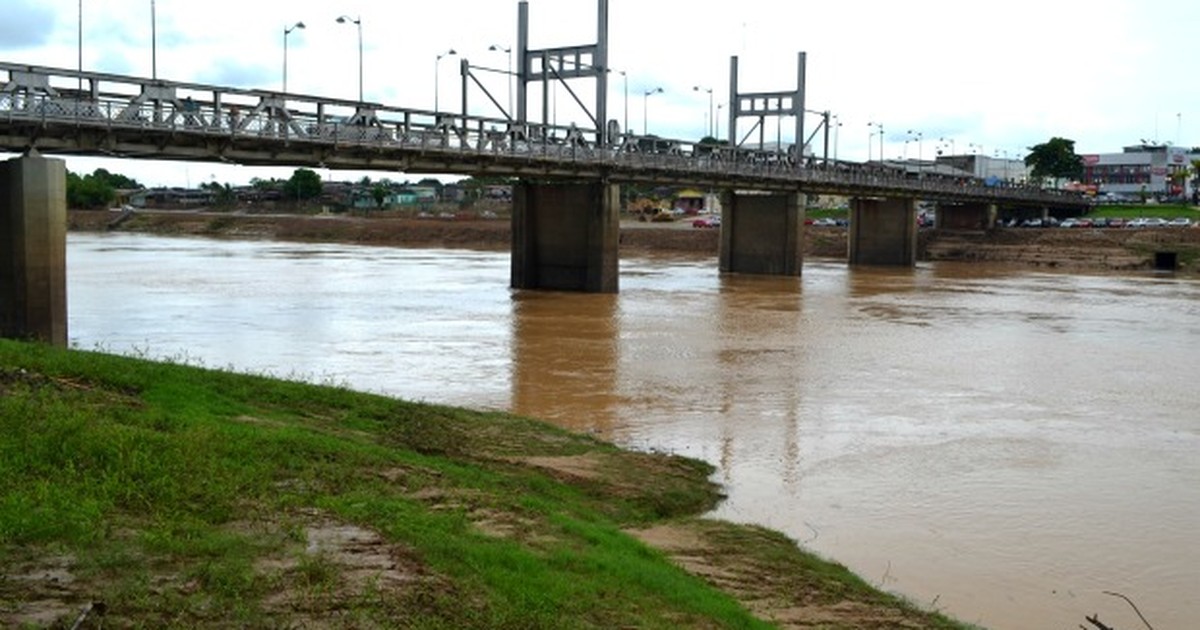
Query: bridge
x,y
566,202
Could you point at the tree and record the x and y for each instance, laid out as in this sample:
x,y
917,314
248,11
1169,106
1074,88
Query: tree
x,y
380,193
115,180
1055,158
223,195
304,184
89,192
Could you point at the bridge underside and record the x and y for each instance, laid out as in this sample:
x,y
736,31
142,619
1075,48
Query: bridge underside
x,y
966,216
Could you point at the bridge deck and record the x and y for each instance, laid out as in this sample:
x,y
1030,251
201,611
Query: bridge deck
x,y
66,111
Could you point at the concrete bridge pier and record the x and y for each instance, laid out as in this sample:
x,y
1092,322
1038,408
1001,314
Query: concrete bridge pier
x,y
565,235
762,233
883,232
966,216
33,249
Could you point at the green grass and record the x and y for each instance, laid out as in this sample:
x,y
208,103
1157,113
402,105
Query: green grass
x,y
188,497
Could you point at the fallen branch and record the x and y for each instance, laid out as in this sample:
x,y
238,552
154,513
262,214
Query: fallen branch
x,y
1132,605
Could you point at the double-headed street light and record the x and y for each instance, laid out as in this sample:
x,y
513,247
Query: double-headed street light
x,y
646,107
697,88
872,135
344,19
509,77
436,65
287,31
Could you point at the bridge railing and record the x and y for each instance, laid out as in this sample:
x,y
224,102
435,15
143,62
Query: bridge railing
x,y
46,97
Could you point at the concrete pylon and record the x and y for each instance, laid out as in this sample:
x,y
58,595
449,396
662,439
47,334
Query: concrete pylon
x,y
762,233
565,236
883,232
33,249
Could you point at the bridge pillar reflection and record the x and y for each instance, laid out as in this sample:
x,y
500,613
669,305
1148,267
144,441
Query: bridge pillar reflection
x,y
762,233
564,236
33,249
966,216
883,232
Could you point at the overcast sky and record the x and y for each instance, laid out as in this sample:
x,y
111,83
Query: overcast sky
x,y
994,77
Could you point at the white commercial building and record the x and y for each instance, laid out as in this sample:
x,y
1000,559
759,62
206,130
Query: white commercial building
x,y
1153,170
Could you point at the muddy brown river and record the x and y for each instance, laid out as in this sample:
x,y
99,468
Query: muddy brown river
x,y
1001,444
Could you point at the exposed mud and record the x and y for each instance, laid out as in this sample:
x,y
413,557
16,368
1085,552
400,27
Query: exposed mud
x,y
1115,249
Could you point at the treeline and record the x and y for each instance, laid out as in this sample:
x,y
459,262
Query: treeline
x,y
97,190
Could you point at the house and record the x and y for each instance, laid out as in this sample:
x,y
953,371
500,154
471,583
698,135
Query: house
x,y
690,201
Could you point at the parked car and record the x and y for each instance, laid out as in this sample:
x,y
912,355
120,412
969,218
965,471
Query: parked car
x,y
1180,222
707,222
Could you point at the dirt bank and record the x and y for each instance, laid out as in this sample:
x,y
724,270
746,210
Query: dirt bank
x,y
1115,249
1074,249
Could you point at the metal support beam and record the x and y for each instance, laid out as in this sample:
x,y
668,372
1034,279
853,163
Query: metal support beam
x,y
561,64
765,104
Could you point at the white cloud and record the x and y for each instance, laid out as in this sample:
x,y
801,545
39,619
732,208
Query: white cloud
x,y
1002,75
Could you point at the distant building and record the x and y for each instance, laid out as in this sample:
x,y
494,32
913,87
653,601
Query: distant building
x,y
690,201
984,167
1153,169
170,198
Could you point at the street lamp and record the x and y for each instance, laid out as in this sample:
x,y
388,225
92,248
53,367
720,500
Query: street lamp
x,y
625,123
436,65
153,43
509,77
720,106
837,128
880,126
343,19
951,141
920,157
645,107
697,88
287,31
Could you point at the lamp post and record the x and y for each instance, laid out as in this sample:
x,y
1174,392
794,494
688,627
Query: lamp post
x,y
717,121
837,128
920,158
153,43
949,140
436,65
646,108
625,123
880,126
343,19
509,77
697,88
287,31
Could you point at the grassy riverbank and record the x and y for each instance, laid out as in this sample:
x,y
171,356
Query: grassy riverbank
x,y
159,495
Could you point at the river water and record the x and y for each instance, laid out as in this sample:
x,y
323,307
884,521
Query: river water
x,y
1000,444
